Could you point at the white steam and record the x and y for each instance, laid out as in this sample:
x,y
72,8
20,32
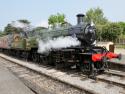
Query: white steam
x,y
57,43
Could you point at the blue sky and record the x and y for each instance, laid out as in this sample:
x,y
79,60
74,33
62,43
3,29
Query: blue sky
x,y
38,11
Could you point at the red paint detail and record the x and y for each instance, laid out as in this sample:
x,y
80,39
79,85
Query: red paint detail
x,y
98,57
111,55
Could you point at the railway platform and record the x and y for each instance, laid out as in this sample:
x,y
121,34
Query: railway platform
x,y
122,61
122,52
116,64
119,64
10,84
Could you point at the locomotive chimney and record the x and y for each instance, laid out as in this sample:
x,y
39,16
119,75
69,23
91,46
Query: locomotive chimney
x,y
80,18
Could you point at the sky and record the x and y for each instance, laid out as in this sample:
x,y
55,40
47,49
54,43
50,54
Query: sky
x,y
38,11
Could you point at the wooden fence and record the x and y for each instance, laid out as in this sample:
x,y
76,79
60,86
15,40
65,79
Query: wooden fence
x,y
120,43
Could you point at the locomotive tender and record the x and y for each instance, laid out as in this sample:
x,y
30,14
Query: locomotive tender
x,y
87,57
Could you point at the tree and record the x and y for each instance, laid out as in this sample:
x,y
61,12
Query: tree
x,y
111,31
96,15
57,19
17,26
10,29
24,21
122,24
1,33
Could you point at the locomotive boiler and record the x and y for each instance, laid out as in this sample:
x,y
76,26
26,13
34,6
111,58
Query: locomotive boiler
x,y
87,57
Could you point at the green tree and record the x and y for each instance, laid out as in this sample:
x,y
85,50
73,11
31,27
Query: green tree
x,y
122,24
96,15
1,33
111,31
59,19
24,21
99,29
10,29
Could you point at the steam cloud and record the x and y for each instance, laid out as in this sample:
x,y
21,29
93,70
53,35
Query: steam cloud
x,y
57,43
46,46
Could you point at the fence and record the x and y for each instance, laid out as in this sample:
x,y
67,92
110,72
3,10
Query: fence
x,y
119,43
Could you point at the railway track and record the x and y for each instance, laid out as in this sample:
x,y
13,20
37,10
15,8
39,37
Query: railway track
x,y
51,81
40,84
113,77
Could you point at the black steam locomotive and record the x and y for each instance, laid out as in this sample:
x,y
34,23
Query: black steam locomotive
x,y
87,57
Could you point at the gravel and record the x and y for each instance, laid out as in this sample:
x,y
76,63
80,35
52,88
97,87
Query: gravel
x,y
42,81
57,87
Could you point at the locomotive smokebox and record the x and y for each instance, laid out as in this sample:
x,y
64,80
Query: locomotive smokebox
x,y
80,18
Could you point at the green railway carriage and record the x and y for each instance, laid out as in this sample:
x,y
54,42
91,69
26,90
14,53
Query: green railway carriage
x,y
17,44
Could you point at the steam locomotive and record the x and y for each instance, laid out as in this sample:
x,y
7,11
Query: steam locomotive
x,y
87,57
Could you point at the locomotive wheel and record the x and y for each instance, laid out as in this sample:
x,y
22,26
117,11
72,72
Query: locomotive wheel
x,y
81,67
34,57
107,65
44,60
93,71
59,65
78,66
84,67
39,61
26,55
18,54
